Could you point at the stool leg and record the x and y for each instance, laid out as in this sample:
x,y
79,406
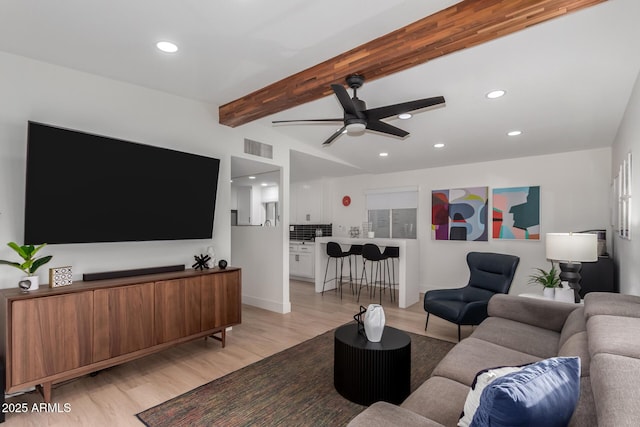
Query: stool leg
x,y
326,270
364,274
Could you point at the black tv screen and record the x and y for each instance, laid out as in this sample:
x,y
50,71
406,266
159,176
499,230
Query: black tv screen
x,y
84,188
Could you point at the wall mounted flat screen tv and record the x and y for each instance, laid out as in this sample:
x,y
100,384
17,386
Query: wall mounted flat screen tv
x,y
84,188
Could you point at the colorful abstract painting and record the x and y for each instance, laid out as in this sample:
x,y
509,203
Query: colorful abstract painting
x,y
460,214
516,213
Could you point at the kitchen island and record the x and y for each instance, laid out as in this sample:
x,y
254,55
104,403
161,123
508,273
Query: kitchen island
x,y
407,266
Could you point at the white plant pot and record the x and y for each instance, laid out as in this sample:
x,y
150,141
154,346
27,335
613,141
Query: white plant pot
x,y
549,293
35,282
374,322
565,295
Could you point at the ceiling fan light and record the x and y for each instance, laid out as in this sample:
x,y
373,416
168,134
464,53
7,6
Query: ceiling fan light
x,y
356,128
495,94
167,47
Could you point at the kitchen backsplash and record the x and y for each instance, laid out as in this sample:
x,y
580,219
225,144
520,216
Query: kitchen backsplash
x,y
308,231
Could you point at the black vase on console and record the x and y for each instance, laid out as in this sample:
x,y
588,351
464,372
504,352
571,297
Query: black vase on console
x,y
222,264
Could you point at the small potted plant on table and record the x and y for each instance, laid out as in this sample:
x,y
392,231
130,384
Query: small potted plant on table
x,y
550,280
30,263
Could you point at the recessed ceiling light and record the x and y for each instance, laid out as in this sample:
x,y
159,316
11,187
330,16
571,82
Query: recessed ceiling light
x,y
230,180
495,94
404,116
514,133
438,145
252,177
167,47
264,184
383,154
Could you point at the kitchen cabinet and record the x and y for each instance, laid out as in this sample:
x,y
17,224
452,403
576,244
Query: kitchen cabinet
x,y
307,203
302,260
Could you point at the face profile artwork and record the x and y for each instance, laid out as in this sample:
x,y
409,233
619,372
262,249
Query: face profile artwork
x,y
460,214
516,213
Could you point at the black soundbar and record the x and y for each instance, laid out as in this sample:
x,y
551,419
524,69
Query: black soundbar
x,y
87,277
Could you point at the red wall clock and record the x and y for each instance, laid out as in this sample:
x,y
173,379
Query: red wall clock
x,y
346,200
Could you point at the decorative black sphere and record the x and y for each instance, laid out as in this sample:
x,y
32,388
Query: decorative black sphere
x,y
222,264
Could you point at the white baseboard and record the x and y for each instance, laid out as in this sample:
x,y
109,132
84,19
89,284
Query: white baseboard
x,y
270,305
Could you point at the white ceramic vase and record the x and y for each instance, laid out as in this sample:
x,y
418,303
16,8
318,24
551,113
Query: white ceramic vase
x,y
35,282
549,293
374,322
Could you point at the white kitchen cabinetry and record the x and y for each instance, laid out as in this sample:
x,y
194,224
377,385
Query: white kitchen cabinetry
x,y
307,203
302,260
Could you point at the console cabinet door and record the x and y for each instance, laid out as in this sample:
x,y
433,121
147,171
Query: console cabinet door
x,y
123,320
177,309
50,335
221,300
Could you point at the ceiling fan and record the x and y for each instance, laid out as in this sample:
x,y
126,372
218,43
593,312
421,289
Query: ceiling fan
x,y
357,118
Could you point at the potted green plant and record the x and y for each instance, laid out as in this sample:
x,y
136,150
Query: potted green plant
x,y
30,263
550,280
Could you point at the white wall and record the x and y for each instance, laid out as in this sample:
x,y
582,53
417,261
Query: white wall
x,y
627,252
33,90
574,196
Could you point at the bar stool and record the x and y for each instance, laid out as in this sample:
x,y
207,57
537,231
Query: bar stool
x,y
354,252
392,252
371,253
335,252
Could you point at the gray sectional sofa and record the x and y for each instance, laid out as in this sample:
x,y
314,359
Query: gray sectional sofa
x,y
604,333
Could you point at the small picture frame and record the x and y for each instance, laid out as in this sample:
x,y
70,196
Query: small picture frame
x,y
60,276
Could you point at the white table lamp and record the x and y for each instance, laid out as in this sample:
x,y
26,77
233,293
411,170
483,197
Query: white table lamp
x,y
569,250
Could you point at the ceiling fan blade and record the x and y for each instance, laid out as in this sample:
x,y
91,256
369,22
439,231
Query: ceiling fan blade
x,y
404,107
345,99
383,127
308,120
334,136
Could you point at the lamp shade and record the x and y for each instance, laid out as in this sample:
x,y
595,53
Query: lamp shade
x,y
572,247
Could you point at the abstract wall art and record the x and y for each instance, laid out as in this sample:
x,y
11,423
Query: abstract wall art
x,y
516,213
460,214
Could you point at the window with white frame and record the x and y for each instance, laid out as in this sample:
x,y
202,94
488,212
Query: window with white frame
x,y
393,213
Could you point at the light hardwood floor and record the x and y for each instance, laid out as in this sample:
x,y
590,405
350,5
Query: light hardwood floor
x,y
115,395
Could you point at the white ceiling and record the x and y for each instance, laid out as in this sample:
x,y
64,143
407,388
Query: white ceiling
x,y
567,80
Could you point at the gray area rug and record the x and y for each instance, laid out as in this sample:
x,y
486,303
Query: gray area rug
x,y
290,388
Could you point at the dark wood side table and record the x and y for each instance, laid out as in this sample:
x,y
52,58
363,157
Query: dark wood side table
x,y
366,372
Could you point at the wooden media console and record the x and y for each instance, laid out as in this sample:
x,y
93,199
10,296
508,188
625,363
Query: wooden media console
x,y
53,335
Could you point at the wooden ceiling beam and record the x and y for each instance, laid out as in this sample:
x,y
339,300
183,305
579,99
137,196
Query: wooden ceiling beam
x,y
466,24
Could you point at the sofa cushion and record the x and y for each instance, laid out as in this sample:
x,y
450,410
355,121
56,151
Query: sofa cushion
x,y
585,413
615,335
383,414
596,303
576,322
439,399
577,345
543,313
541,394
519,336
614,381
473,355
482,380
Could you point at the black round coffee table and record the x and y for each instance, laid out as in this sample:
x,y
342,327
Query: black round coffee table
x,y
365,372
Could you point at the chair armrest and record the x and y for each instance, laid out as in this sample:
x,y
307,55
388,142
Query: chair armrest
x,y
543,313
448,294
473,313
